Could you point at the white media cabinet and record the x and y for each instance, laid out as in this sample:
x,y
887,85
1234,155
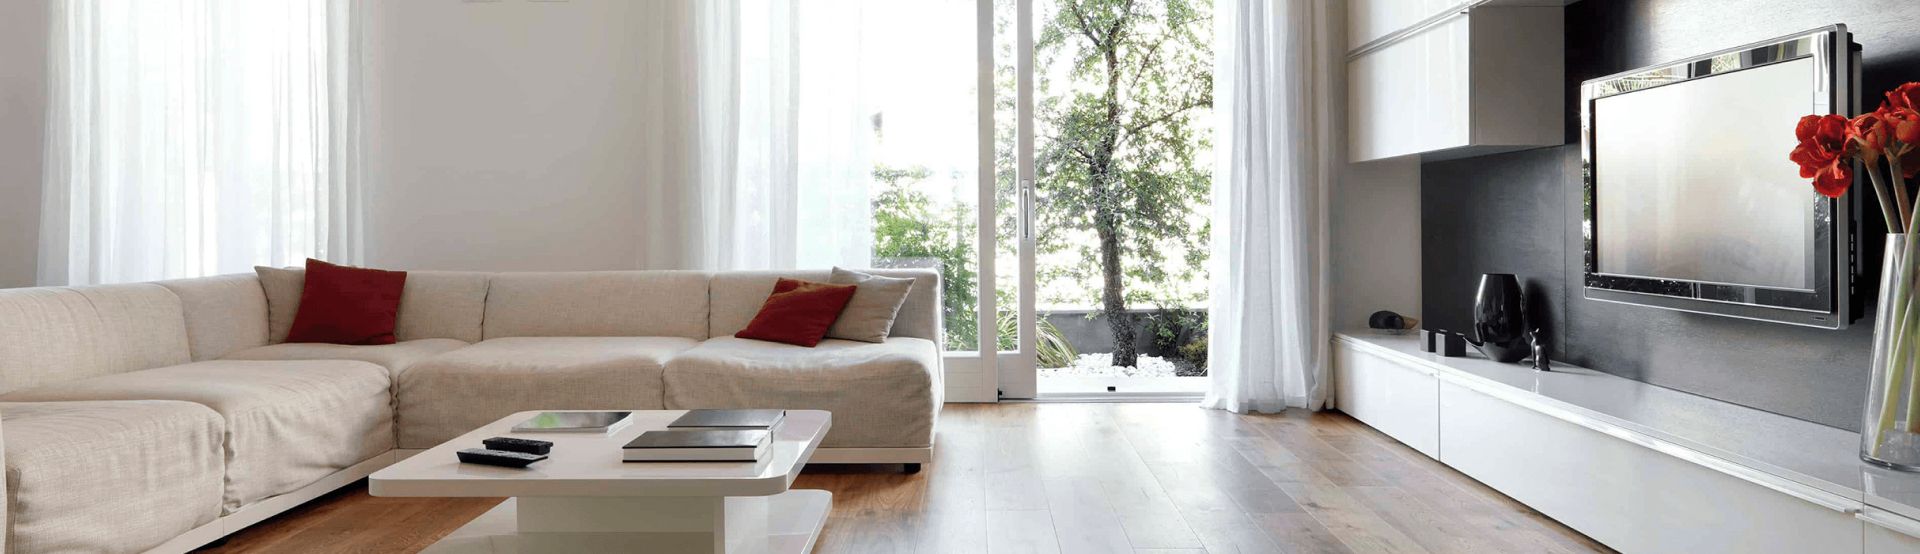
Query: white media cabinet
x,y
1637,467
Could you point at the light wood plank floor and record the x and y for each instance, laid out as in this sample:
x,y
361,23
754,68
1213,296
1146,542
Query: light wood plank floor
x,y
1072,478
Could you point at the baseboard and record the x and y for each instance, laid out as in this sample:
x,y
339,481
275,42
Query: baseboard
x,y
872,455
260,511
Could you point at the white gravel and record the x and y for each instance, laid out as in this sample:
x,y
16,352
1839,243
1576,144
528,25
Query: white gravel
x,y
1101,365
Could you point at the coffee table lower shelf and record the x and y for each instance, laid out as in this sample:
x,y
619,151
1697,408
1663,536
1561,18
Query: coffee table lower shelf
x,y
785,523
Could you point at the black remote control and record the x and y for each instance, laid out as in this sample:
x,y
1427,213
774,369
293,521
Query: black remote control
x,y
512,444
498,457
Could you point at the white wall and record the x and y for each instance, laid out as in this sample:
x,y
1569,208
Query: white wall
x,y
1376,241
510,135
23,102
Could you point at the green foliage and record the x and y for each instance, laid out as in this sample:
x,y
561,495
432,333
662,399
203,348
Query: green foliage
x,y
1122,160
1181,331
1051,348
910,230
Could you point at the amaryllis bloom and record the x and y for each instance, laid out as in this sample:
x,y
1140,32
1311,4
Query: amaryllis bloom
x,y
1870,134
1904,123
1906,97
1823,155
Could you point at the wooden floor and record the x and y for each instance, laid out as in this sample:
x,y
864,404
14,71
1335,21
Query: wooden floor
x,y
1080,478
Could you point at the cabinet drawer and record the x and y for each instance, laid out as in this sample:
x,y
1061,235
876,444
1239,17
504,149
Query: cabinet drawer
x,y
1887,533
1411,96
1399,400
1625,495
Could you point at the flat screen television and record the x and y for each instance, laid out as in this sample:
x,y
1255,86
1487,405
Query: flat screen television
x,y
1690,203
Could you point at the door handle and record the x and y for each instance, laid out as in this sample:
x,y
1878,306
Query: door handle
x,y
1026,210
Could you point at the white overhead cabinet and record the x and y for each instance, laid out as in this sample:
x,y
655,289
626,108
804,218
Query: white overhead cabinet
x,y
1448,79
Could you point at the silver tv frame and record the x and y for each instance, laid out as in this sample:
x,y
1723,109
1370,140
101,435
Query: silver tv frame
x,y
1832,302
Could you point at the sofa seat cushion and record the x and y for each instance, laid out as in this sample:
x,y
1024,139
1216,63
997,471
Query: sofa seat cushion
x,y
450,394
882,395
288,423
395,357
115,476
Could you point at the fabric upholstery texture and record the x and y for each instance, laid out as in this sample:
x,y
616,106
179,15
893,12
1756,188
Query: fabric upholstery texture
x,y
348,305
600,304
224,313
737,296
443,305
54,334
288,423
868,317
282,285
434,305
798,312
119,476
881,395
446,395
395,357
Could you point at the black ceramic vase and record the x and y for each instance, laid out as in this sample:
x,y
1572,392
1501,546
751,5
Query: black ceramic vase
x,y
1499,321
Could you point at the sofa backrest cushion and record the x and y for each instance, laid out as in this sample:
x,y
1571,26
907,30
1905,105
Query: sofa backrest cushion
x,y
434,304
599,304
225,313
737,296
54,334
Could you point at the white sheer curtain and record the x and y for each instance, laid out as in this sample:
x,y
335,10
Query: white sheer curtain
x,y
1269,322
196,137
780,174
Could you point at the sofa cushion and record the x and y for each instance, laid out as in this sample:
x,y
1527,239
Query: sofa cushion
x,y
224,313
450,394
347,305
881,395
433,305
876,302
600,304
288,423
798,312
395,357
118,476
54,334
737,296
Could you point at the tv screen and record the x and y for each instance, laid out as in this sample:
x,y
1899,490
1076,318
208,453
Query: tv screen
x,y
1683,188
1690,202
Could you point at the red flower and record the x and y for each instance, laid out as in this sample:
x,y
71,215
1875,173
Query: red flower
x,y
1869,134
1823,155
1905,97
1904,124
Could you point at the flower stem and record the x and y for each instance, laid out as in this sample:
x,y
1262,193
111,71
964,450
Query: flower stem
x,y
1881,194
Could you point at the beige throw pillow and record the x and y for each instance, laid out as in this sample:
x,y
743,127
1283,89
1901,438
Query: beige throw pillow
x,y
283,286
869,316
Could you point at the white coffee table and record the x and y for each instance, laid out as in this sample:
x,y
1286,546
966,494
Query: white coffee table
x,y
583,498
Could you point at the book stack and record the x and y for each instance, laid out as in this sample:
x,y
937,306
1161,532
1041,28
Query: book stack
x,y
708,436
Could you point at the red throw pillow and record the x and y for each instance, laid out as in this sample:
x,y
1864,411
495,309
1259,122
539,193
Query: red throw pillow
x,y
798,312
347,305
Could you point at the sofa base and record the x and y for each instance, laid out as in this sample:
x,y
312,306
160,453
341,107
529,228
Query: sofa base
x,y
872,455
260,511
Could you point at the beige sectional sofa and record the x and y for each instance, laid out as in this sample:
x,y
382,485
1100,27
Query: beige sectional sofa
x,y
162,416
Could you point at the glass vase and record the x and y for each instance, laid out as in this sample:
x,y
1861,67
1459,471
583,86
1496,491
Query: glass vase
x,y
1890,430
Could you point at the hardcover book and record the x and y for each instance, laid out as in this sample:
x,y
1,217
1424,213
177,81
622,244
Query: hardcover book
x,y
728,419
702,445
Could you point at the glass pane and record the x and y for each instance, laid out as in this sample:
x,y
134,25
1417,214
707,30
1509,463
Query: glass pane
x,y
922,87
1123,115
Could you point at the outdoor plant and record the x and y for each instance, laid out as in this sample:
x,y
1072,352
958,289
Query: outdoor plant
x,y
1051,348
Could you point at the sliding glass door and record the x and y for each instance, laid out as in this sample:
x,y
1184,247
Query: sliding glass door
x,y
1071,223
1107,178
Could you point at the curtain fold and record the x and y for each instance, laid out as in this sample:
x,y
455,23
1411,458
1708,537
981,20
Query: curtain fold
x,y
1269,327
781,172
197,137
